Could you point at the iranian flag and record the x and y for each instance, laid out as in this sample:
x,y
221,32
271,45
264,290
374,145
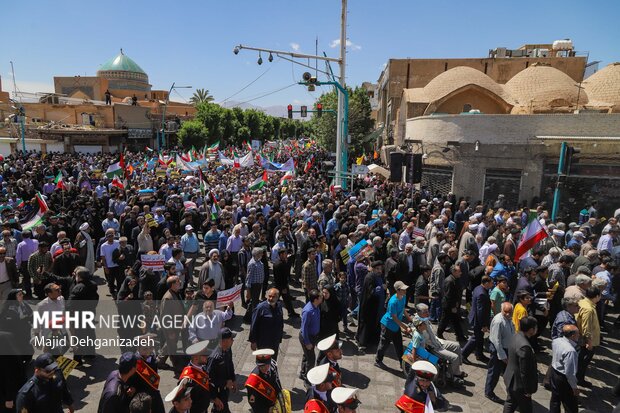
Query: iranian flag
x,y
116,181
259,182
60,183
287,177
37,219
164,161
533,233
247,146
116,169
236,163
186,157
215,147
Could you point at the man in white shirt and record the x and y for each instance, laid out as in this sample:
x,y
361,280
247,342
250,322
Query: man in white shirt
x,y
52,303
207,324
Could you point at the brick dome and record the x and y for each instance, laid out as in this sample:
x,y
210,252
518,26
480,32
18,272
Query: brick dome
x,y
458,77
543,85
603,87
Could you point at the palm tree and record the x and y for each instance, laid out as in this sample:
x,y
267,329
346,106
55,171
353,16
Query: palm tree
x,y
201,96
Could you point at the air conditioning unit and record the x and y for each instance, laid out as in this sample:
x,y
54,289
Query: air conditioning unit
x,y
500,52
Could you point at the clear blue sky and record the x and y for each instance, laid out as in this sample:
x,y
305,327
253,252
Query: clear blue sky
x,y
191,42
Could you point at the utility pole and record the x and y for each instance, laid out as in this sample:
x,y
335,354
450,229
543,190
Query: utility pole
x,y
163,117
341,131
342,123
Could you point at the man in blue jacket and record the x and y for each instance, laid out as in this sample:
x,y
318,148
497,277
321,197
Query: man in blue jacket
x,y
479,319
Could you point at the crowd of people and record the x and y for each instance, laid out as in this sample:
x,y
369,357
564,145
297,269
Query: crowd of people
x,y
391,266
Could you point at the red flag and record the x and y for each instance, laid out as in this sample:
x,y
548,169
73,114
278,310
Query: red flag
x,y
117,183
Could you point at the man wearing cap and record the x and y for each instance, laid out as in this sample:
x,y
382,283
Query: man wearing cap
x,y
146,379
117,391
317,399
392,324
196,376
221,371
181,398
46,391
346,399
191,248
263,384
420,391
330,351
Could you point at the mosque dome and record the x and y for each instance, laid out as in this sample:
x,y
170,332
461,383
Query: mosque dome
x,y
541,85
123,74
459,77
603,87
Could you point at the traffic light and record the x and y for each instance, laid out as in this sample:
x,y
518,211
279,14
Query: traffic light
x,y
319,110
290,111
304,111
569,159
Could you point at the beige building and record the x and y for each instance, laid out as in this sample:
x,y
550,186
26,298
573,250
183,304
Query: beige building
x,y
77,118
481,138
500,66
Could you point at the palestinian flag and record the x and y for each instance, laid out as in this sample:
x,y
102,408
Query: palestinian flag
x,y
215,207
60,183
215,147
287,177
533,233
116,181
37,219
116,169
259,182
203,182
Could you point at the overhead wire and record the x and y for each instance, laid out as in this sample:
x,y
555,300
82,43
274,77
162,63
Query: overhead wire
x,y
266,94
248,85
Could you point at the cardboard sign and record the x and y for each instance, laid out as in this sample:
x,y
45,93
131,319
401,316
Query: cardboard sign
x,y
150,220
153,262
66,365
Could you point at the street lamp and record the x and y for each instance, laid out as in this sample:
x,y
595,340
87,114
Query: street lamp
x,y
163,116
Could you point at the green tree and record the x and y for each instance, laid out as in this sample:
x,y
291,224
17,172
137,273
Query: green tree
x,y
254,121
201,96
211,114
243,134
360,122
230,126
192,133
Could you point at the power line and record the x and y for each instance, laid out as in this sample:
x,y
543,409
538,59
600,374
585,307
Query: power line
x,y
266,94
248,85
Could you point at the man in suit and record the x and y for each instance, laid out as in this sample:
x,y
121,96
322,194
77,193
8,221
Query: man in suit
x,y
8,276
521,376
479,319
451,303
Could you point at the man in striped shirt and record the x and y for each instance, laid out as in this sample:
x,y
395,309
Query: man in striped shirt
x,y
254,282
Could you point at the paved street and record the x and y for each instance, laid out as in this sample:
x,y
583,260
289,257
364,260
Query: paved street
x,y
381,388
